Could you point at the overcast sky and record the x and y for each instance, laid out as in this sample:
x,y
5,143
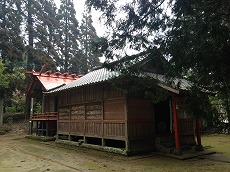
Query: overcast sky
x,y
79,7
100,28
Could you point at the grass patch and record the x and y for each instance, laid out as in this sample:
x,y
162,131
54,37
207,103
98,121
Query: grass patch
x,y
217,142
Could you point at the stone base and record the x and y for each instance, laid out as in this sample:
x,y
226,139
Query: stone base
x,y
199,148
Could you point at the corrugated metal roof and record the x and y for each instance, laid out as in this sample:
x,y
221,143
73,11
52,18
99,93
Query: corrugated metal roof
x,y
96,76
104,74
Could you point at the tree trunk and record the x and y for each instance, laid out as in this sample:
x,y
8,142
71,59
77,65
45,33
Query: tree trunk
x,y
1,110
27,113
31,36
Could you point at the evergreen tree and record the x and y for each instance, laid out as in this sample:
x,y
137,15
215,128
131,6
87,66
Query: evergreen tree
x,y
31,31
11,46
46,32
11,43
4,83
193,38
42,25
68,35
199,46
88,37
140,28
42,36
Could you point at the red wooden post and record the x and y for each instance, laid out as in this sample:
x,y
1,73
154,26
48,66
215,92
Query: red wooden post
x,y
176,127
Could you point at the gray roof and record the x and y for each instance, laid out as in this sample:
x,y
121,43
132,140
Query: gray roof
x,y
104,74
96,76
175,82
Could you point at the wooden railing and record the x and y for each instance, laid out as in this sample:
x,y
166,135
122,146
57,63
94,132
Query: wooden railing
x,y
45,116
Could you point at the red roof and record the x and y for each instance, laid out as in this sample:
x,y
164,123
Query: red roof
x,y
54,80
48,81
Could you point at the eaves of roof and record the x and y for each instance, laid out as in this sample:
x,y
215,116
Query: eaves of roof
x,y
103,74
93,77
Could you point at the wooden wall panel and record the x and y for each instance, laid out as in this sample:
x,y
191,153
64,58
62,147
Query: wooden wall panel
x,y
114,129
77,128
186,126
114,109
51,104
77,95
64,113
141,117
46,105
93,128
78,111
62,99
111,92
63,128
87,115
94,92
140,109
93,110
141,129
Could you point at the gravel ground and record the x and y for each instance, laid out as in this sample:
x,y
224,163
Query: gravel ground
x,y
18,154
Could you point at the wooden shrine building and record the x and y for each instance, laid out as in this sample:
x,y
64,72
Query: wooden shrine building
x,y
90,111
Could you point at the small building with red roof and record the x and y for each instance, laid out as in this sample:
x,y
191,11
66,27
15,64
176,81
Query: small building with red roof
x,y
44,123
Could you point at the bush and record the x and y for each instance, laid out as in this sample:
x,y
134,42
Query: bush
x,y
13,117
5,129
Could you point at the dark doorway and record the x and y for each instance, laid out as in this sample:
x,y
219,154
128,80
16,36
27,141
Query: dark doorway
x,y
162,117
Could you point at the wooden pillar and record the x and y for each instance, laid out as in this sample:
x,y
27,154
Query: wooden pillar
x,y
84,100
30,127
199,146
31,108
47,128
57,127
176,127
42,127
36,127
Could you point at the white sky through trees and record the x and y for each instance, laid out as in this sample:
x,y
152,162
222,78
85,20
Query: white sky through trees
x,y
79,7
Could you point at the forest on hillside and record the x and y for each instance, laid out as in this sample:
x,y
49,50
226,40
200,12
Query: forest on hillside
x,y
37,32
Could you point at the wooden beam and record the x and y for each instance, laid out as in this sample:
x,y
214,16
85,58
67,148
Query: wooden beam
x,y
42,69
168,88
